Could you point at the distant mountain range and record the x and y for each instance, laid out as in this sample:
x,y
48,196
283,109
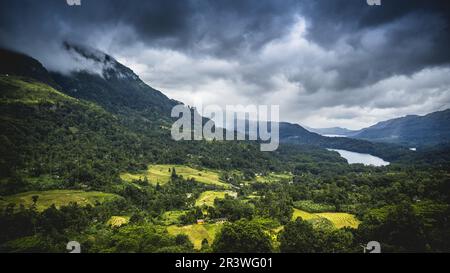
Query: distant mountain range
x,y
412,130
335,131
295,134
291,133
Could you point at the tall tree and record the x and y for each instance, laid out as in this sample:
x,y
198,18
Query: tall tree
x,y
242,237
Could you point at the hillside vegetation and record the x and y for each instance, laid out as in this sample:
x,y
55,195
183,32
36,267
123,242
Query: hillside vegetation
x,y
89,157
161,174
59,198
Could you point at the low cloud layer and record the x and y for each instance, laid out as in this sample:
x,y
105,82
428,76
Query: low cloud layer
x,y
326,63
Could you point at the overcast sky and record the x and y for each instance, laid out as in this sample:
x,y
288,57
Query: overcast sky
x,y
326,63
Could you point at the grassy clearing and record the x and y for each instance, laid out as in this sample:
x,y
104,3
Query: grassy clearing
x,y
341,219
250,197
172,217
338,219
58,197
303,214
274,177
161,174
197,233
117,221
207,197
310,206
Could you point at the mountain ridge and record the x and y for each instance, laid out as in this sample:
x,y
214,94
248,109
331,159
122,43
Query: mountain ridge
x,y
116,87
16,63
293,133
411,130
338,131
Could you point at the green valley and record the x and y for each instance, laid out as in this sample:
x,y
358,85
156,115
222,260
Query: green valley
x,y
89,157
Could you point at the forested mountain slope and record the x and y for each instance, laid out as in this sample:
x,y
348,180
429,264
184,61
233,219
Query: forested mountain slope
x,y
412,130
60,138
113,86
296,134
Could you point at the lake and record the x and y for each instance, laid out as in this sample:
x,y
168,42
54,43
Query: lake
x,y
366,159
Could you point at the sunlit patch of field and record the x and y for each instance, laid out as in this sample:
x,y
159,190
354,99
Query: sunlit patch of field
x,y
117,221
160,174
274,177
341,219
303,214
338,219
57,197
250,197
172,217
207,198
197,233
253,196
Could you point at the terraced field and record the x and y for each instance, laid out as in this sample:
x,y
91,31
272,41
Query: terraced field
x,y
207,198
197,233
172,217
303,214
274,177
339,219
117,221
161,174
58,197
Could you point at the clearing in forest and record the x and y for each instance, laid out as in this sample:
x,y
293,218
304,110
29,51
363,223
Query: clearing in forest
x,y
161,174
207,198
197,233
339,219
59,198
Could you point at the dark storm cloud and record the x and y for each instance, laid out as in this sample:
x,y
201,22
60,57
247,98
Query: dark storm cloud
x,y
211,27
331,19
230,29
416,34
